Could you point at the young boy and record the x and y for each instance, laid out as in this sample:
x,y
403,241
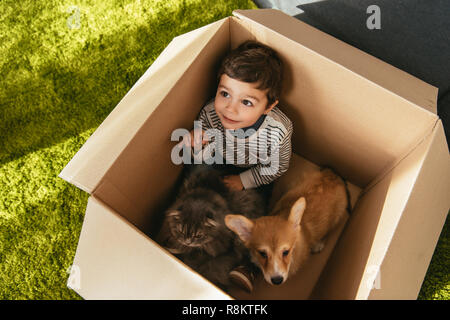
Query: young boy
x,y
257,134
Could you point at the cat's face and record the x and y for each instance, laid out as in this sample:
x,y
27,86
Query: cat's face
x,y
186,233
198,219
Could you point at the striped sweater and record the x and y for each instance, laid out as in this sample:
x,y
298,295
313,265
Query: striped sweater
x,y
266,151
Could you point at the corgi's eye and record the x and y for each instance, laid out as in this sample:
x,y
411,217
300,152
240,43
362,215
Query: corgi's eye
x,y
285,253
262,254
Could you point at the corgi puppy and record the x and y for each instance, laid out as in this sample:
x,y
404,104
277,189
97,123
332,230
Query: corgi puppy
x,y
296,227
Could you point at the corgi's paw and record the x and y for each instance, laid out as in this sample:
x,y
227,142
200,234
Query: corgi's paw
x,y
316,248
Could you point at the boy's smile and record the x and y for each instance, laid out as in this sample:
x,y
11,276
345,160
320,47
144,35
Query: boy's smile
x,y
239,104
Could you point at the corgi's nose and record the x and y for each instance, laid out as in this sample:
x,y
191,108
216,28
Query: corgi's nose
x,y
276,280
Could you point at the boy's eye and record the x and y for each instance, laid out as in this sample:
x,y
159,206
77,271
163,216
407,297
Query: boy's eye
x,y
248,103
224,94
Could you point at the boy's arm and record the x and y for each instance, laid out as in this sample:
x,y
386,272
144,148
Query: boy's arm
x,y
203,117
262,174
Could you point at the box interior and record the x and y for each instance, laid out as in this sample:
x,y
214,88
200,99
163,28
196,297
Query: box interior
x,y
340,120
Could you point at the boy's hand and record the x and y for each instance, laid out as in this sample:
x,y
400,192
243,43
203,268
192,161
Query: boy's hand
x,y
233,182
189,141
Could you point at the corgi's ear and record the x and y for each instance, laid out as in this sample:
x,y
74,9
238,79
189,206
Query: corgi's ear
x,y
296,214
240,225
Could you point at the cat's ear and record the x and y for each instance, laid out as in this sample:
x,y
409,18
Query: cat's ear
x,y
240,225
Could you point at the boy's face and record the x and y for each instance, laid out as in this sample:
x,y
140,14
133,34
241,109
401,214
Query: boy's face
x,y
239,104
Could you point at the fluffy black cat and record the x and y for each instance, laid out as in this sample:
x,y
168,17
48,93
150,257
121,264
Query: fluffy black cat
x,y
194,229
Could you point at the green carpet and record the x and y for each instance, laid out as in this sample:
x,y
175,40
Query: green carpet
x,y
64,66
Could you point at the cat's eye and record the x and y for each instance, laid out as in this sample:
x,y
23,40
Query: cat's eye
x,y
263,254
285,253
209,215
174,214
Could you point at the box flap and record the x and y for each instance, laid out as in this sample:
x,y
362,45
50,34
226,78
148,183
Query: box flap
x,y
114,260
141,178
389,241
92,161
408,231
385,75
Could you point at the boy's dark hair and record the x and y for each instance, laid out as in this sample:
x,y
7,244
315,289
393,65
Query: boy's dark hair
x,y
255,62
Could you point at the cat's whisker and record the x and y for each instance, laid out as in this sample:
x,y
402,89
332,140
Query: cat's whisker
x,y
211,223
173,250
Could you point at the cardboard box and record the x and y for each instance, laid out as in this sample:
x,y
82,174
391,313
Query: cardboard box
x,y
375,124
